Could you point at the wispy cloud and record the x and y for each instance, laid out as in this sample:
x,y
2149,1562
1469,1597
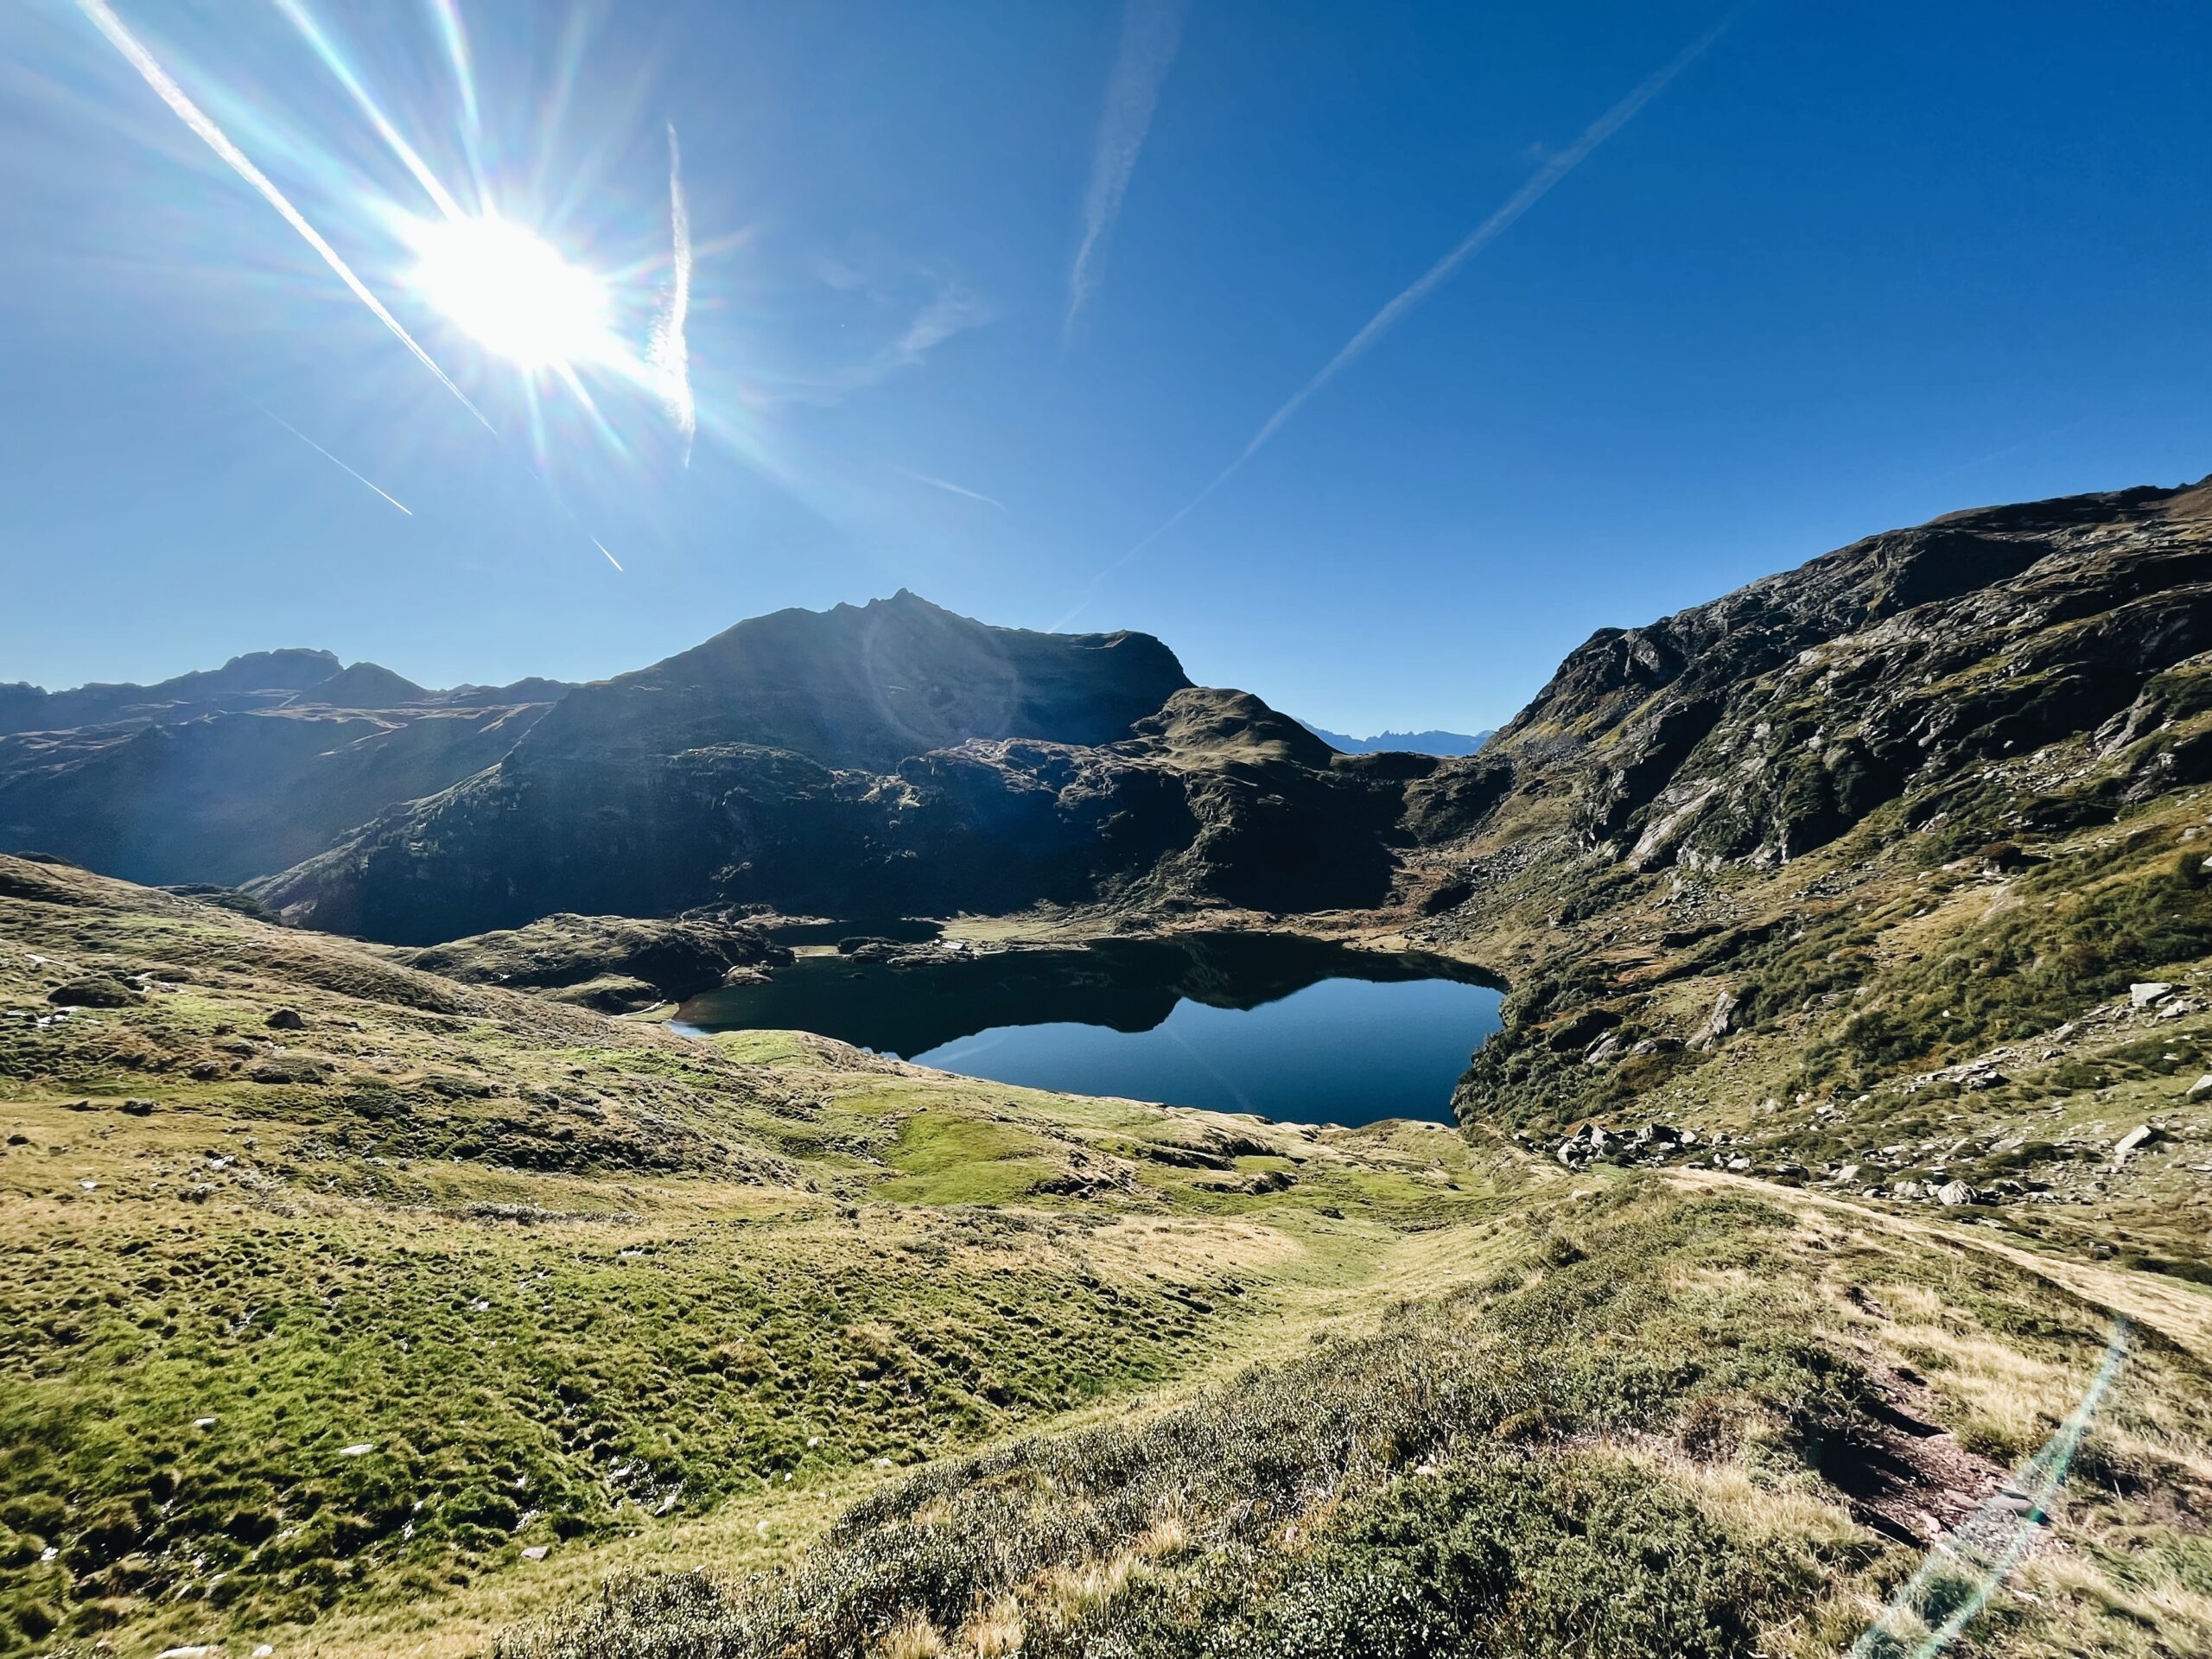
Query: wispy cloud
x,y
667,353
1151,29
1538,186
950,488
335,461
103,18
950,310
954,310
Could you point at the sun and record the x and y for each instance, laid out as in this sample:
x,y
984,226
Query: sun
x,y
511,291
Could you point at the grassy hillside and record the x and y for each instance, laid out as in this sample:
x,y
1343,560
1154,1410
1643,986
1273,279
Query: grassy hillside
x,y
361,1311
339,1286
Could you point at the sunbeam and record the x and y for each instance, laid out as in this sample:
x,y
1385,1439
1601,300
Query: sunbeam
x,y
103,18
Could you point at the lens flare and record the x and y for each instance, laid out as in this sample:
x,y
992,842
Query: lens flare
x,y
511,291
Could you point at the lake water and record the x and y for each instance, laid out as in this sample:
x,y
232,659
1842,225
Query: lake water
x,y
1292,1029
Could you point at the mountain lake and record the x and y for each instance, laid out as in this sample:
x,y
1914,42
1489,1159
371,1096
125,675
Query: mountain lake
x,y
1298,1030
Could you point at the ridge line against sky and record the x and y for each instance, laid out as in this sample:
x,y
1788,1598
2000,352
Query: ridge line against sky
x,y
1533,190
1151,32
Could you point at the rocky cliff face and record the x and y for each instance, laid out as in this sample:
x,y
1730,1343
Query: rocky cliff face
x,y
1772,720
1722,835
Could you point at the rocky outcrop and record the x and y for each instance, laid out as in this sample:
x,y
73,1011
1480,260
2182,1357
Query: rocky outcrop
x,y
616,961
1719,835
1770,722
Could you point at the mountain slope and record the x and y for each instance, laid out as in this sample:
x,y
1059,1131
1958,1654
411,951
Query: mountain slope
x,y
864,686
374,1311
220,776
867,760
1856,865
222,798
354,1283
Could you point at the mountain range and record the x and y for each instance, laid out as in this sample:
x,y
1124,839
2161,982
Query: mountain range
x,y
1432,742
1826,1222
897,757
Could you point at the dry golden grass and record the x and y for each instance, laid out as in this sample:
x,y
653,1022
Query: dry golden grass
x,y
995,1631
913,1637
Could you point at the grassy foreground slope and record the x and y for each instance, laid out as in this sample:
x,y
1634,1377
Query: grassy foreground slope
x,y
334,1288
353,1310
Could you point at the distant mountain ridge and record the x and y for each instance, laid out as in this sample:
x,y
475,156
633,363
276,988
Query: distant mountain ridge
x,y
232,772
258,679
1447,744
895,757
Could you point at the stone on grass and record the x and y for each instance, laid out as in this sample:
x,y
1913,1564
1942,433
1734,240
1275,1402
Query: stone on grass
x,y
2144,992
97,991
1951,1194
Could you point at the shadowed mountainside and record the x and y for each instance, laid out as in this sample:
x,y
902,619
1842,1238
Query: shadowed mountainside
x,y
866,760
217,776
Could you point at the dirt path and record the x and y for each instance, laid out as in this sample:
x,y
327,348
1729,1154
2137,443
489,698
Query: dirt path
x,y
2174,1308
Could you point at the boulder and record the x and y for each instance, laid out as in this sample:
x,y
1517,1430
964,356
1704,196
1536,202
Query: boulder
x,y
2144,992
94,991
1721,1022
1952,1194
286,1020
2127,1143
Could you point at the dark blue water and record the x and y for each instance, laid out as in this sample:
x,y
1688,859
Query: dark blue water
x,y
1288,1028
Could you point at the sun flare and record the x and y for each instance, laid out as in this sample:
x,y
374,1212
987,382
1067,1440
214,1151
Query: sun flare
x,y
511,291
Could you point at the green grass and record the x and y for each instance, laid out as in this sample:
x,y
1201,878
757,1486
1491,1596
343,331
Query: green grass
x,y
574,1281
899,1355
1625,1439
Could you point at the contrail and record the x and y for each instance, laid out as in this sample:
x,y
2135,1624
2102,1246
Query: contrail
x,y
611,559
951,489
335,461
668,354
1150,32
1538,186
103,18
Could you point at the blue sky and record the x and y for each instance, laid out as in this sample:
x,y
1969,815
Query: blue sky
x,y
1849,267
